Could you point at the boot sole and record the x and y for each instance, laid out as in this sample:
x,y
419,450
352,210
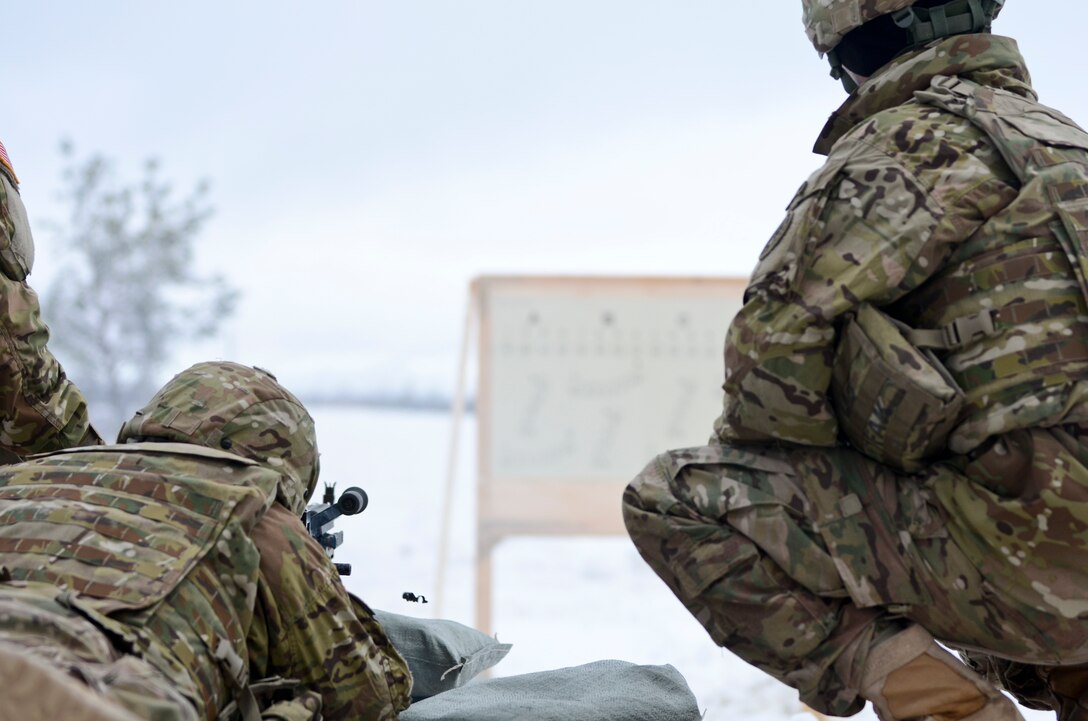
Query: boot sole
x,y
32,691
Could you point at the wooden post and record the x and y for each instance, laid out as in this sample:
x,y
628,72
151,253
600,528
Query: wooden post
x,y
451,467
485,546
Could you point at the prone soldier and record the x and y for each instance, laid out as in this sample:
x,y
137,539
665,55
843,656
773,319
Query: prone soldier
x,y
170,577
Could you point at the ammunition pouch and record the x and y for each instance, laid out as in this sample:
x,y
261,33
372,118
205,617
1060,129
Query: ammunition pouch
x,y
895,402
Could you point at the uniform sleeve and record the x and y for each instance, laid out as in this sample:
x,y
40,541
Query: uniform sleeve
x,y
40,409
307,627
862,229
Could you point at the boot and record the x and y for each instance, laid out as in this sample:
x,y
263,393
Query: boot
x,y
910,678
33,691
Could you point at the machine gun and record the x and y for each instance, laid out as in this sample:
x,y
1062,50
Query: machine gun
x,y
319,519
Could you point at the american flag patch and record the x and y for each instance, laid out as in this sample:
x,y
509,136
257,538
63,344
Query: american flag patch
x,y
6,161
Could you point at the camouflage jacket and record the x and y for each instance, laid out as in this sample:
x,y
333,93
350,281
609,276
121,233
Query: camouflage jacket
x,y
915,212
40,409
182,553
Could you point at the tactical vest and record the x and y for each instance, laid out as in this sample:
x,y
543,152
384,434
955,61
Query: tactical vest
x,y
151,541
1006,316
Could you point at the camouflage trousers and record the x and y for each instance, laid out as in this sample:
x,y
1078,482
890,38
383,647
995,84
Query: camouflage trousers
x,y
36,626
800,560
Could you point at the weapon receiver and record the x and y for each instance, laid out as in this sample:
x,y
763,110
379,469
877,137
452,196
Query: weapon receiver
x,y
319,519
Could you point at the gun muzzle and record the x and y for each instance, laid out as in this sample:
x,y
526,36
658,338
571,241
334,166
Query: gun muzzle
x,y
353,500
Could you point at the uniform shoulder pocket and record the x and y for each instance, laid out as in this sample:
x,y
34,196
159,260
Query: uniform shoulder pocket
x,y
16,242
778,263
783,259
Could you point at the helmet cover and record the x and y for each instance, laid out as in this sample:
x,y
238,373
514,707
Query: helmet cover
x,y
241,410
828,21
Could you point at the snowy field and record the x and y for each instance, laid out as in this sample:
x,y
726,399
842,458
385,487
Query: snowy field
x,y
560,602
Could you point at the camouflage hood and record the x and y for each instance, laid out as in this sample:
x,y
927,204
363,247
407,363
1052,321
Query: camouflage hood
x,y
990,60
241,410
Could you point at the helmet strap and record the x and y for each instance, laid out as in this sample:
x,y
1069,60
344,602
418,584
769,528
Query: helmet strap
x,y
839,72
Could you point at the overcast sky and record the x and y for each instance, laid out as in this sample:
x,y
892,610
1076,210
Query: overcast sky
x,y
369,158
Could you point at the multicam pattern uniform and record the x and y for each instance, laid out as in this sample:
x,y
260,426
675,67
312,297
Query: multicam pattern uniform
x,y
40,409
799,553
183,557
185,549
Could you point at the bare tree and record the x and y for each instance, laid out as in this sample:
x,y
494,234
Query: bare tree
x,y
127,293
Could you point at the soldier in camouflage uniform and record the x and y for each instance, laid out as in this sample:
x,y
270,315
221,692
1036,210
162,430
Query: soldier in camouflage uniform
x,y
170,577
903,451
40,409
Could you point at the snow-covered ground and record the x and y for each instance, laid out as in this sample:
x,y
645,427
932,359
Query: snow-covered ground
x,y
559,601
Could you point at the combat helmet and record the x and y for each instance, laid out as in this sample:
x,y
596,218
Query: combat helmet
x,y
828,21
241,410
